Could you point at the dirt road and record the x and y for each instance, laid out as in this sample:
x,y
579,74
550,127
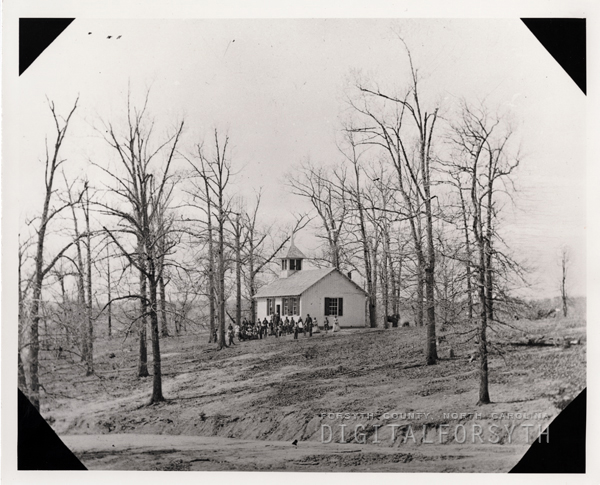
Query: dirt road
x,y
165,452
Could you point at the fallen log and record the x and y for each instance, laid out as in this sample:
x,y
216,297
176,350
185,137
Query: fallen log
x,y
544,342
533,344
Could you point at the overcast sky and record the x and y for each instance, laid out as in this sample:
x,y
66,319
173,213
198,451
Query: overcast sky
x,y
277,87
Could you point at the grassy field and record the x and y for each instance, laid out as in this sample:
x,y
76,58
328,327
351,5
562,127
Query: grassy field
x,y
240,408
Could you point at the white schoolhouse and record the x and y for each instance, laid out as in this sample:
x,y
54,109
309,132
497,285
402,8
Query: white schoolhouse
x,y
318,292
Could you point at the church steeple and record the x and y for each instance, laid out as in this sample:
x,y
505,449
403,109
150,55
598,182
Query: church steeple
x,y
292,261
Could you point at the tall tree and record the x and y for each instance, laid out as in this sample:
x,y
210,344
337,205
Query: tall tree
x,y
238,228
483,159
80,275
89,334
404,130
140,193
367,241
49,212
214,170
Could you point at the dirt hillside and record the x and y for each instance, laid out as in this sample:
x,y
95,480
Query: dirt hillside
x,y
240,408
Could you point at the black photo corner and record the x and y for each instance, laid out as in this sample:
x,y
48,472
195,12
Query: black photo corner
x,y
35,34
565,41
562,449
40,448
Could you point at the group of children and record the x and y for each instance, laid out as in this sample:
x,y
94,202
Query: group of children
x,y
277,327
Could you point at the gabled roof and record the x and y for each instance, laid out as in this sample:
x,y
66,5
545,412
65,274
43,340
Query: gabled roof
x,y
295,284
294,252
299,282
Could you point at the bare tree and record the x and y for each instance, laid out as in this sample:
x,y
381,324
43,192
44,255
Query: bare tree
x,y
200,190
483,160
81,307
328,195
238,228
368,243
380,212
89,334
397,124
49,212
214,170
165,240
146,192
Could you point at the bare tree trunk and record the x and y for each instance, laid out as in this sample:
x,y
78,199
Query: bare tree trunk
x,y
90,328
393,287
369,278
22,379
374,279
372,298
563,283
157,394
489,285
430,266
468,256
65,313
34,343
484,396
221,281
164,329
387,273
109,292
212,292
252,278
238,272
335,253
143,322
420,290
81,299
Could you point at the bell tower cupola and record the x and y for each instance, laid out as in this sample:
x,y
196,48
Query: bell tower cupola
x,y
292,261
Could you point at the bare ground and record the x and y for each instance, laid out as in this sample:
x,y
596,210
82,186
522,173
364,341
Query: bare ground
x,y
240,408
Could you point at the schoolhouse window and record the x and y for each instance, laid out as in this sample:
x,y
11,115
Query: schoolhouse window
x,y
298,264
284,264
334,306
295,302
269,306
284,304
